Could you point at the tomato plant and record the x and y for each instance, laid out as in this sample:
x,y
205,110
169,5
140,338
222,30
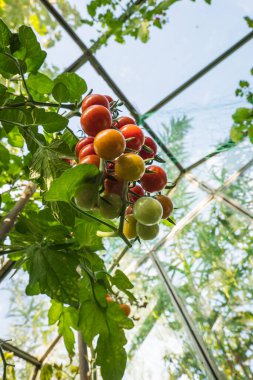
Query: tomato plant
x,y
68,208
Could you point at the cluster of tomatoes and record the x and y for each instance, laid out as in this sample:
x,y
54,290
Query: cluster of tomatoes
x,y
131,182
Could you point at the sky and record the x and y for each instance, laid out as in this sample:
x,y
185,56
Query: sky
x,y
195,35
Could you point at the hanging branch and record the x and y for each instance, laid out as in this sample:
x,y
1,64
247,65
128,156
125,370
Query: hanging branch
x,y
10,219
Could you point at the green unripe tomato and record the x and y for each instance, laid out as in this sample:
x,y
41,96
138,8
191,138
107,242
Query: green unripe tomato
x,y
147,211
147,232
110,206
86,196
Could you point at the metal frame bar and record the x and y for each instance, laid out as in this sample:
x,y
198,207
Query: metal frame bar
x,y
88,56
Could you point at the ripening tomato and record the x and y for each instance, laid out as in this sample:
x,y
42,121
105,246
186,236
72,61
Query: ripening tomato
x,y
81,143
124,120
129,210
110,206
95,119
112,185
109,98
86,151
69,161
109,144
129,228
167,205
125,308
93,100
147,211
129,167
150,143
147,232
86,196
138,190
92,159
156,181
108,298
133,132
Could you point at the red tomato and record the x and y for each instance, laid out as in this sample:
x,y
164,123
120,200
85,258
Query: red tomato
x,y
109,98
95,119
124,120
137,190
87,150
69,161
133,131
81,143
156,181
125,308
110,167
95,99
150,143
91,159
113,186
108,298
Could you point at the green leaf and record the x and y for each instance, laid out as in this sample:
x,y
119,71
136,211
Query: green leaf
x,y
54,312
46,165
8,67
241,114
46,372
30,51
91,320
64,187
4,155
143,32
250,132
235,134
51,121
249,21
15,138
60,93
86,234
75,85
5,35
55,272
121,281
67,317
40,83
111,355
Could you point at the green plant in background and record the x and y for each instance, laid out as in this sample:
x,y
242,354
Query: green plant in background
x,y
243,117
34,13
49,231
134,19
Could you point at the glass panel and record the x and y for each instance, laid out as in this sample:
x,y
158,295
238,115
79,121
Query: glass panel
x,y
241,189
23,319
210,265
207,107
158,347
218,169
187,43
